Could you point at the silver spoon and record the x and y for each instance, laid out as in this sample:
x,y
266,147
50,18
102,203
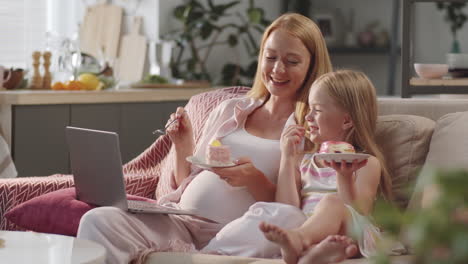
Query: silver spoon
x,y
163,131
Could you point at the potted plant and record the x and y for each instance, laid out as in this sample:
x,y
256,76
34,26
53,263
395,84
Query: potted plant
x,y
204,27
455,16
438,233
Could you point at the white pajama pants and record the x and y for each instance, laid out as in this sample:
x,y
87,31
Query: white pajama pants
x,y
242,237
127,236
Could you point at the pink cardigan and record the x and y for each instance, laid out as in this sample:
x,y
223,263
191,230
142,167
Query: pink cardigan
x,y
228,116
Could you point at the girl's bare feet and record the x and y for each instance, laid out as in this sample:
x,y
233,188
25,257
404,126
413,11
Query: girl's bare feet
x,y
291,242
332,249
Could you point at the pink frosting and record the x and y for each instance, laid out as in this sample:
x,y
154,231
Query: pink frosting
x,y
218,155
336,147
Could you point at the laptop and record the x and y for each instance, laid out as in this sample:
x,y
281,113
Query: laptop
x,y
96,166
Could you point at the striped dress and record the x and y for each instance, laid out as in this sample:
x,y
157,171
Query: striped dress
x,y
316,183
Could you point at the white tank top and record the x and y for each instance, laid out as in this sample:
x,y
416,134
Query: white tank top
x,y
211,197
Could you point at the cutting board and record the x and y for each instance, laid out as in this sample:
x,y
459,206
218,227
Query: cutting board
x,y
132,54
100,31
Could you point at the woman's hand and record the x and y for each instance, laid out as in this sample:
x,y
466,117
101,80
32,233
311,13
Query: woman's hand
x,y
180,132
291,140
245,174
239,175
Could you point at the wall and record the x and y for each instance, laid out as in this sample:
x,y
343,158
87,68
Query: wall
x,y
66,16
220,54
375,65
432,38
364,12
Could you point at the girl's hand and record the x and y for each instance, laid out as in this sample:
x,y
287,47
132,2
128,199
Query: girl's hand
x,y
344,168
240,175
291,140
180,132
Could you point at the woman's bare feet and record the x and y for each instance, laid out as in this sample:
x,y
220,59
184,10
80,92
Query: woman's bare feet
x,y
332,249
291,242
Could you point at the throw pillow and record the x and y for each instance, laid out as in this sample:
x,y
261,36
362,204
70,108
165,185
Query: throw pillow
x,y
449,144
404,140
447,150
57,212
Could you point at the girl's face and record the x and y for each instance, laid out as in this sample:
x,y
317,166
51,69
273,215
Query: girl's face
x,y
326,120
284,64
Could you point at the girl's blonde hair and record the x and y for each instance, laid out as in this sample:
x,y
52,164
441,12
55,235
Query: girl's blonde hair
x,y
355,94
309,33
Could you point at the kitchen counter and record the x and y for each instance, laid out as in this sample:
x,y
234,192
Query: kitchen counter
x,y
49,97
39,97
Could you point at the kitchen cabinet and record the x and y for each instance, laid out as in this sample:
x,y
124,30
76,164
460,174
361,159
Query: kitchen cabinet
x,y
39,144
413,86
33,123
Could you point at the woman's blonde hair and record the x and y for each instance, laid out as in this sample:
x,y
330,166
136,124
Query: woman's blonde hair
x,y
309,33
356,95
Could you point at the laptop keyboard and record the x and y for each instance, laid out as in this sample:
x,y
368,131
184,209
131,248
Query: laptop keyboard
x,y
148,207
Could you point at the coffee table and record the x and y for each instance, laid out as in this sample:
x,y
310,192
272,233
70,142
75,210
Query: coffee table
x,y
31,247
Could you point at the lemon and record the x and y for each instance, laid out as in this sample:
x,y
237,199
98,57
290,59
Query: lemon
x,y
216,143
90,80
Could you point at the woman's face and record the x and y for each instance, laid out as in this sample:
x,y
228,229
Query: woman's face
x,y
326,121
284,64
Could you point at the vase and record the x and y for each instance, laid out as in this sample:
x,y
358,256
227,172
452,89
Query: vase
x,y
455,46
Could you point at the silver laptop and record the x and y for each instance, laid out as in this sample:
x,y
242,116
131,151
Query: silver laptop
x,y
96,165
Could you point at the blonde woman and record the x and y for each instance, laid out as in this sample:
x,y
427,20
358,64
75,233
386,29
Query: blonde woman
x,y
292,55
334,196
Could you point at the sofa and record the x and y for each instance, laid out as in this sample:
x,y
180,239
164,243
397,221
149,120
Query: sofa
x,y
413,133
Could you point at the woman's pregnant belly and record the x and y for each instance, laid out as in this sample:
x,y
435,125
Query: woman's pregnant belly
x,y
210,197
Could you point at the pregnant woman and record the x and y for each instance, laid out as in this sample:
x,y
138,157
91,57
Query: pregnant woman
x,y
292,55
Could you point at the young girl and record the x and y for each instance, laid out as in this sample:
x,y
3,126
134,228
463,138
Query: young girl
x,y
335,196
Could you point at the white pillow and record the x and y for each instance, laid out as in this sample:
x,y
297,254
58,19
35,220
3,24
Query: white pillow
x,y
242,237
447,150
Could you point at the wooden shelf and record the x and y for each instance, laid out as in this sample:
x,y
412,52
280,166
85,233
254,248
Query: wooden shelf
x,y
433,1
410,85
439,82
437,86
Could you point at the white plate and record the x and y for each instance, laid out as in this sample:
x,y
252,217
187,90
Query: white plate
x,y
200,162
338,157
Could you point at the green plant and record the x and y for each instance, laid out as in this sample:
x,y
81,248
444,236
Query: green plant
x,y
439,233
455,16
206,25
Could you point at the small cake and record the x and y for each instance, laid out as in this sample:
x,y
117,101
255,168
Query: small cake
x,y
336,147
217,153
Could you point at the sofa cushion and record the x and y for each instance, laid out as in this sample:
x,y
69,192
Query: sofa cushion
x,y
404,140
447,150
57,212
449,144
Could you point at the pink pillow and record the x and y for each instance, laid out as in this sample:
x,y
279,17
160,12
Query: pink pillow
x,y
57,212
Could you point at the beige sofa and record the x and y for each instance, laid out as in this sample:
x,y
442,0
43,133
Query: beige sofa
x,y
412,132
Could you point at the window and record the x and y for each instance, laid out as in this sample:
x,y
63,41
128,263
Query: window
x,y
23,26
